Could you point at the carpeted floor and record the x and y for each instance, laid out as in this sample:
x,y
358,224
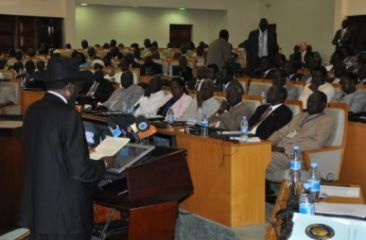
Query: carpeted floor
x,y
193,227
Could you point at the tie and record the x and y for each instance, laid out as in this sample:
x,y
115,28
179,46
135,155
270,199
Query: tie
x,y
263,117
92,89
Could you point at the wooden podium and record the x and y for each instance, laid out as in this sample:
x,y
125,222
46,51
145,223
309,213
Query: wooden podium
x,y
154,188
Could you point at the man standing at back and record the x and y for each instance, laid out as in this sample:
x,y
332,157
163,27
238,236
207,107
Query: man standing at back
x,y
261,43
57,202
219,51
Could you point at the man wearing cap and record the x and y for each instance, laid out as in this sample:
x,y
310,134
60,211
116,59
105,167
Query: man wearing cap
x,y
57,202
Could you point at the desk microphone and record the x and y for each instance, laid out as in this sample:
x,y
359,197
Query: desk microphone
x,y
145,129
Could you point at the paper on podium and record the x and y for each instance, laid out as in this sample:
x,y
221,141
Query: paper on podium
x,y
341,209
108,147
344,229
340,191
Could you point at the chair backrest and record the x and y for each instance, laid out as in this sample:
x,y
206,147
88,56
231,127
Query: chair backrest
x,y
259,86
252,105
339,114
299,87
8,74
295,106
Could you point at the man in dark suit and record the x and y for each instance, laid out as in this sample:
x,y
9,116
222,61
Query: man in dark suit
x,y
57,202
272,116
261,42
99,91
343,36
150,67
50,35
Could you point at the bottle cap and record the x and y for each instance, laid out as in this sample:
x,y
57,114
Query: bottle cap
x,y
295,147
307,185
243,117
314,164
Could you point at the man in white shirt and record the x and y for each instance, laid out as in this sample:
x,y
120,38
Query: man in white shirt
x,y
318,83
124,68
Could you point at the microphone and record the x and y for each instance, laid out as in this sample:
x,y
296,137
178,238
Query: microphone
x,y
145,129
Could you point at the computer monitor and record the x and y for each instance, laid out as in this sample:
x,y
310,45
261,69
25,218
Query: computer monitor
x,y
129,155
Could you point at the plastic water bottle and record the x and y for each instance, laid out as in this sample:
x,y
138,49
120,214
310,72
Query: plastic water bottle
x,y
171,71
170,117
244,125
263,95
306,203
204,125
295,167
314,181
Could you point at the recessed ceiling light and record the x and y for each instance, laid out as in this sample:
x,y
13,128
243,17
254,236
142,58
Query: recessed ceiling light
x,y
83,4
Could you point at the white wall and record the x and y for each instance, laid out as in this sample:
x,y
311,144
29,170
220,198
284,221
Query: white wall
x,y
42,8
297,20
239,17
354,7
99,24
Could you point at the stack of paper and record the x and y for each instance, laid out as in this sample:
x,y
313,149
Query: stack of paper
x,y
340,209
108,147
340,191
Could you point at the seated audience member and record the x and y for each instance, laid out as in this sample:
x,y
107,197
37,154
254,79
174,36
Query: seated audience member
x,y
124,68
183,70
279,78
129,94
229,115
131,61
154,50
150,67
29,78
84,44
339,71
151,101
310,130
271,116
99,91
264,69
355,98
203,73
361,74
290,69
295,57
318,83
41,66
178,99
204,102
214,72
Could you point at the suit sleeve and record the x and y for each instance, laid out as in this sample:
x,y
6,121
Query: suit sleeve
x,y
277,136
286,116
76,157
358,103
317,140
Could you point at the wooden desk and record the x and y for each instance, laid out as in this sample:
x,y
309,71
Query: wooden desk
x,y
228,179
281,203
354,165
11,175
29,96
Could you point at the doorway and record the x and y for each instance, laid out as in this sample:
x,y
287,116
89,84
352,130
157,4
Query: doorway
x,y
180,34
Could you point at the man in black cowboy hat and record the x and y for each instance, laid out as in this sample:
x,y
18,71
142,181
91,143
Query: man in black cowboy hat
x,y
56,202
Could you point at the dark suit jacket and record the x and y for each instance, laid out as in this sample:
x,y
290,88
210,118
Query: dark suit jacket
x,y
104,91
276,120
252,50
345,40
155,68
58,173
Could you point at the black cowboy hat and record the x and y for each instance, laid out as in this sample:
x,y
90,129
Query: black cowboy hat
x,y
62,69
